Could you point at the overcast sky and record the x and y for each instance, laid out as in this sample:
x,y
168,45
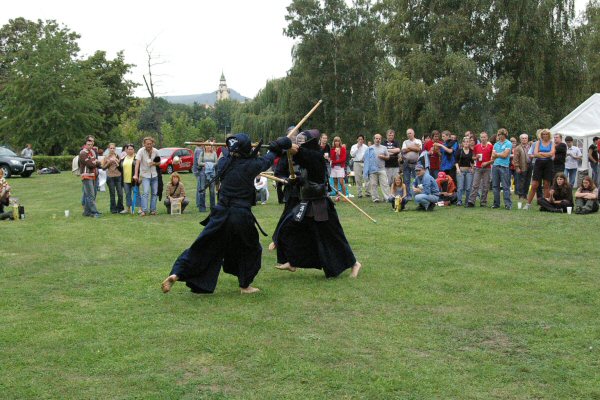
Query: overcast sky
x,y
195,40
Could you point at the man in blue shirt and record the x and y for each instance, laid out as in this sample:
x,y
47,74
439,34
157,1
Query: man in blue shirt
x,y
425,189
448,151
500,169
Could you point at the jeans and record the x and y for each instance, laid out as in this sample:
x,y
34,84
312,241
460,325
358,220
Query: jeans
x,y
261,195
148,185
571,174
409,174
465,181
114,185
594,168
201,193
501,174
89,197
424,200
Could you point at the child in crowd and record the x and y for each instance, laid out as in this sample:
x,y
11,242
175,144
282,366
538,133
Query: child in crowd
x,y
398,193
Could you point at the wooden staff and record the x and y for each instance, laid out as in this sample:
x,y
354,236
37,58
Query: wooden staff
x,y
264,146
355,206
276,179
294,132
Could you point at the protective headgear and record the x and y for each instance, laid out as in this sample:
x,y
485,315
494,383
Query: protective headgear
x,y
239,143
311,138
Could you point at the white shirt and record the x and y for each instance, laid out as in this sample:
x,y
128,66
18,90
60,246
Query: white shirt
x,y
261,183
358,153
570,161
147,171
411,155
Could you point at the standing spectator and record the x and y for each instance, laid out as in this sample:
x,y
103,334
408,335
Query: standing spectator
x,y
27,152
511,166
88,164
411,148
560,155
448,150
561,195
522,166
111,163
500,169
434,153
464,171
128,172
586,197
357,152
375,169
391,164
196,171
482,173
424,155
325,150
447,188
593,158
205,165
426,189
175,192
262,189
543,170
338,165
398,193
572,161
146,171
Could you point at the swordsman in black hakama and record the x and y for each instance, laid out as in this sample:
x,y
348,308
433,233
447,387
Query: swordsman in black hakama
x,y
310,235
230,238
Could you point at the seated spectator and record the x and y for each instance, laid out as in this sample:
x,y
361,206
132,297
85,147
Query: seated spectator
x,y
447,188
561,195
262,189
426,189
4,196
398,193
586,197
175,190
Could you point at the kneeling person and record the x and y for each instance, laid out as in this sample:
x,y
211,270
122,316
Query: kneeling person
x,y
175,192
426,189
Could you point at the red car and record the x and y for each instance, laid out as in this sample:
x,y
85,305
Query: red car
x,y
186,159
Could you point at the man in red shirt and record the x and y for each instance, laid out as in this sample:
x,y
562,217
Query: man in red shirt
x,y
434,153
482,173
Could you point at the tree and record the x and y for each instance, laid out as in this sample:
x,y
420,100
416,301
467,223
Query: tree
x,y
46,97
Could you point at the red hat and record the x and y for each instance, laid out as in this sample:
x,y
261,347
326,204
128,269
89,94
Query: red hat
x,y
441,175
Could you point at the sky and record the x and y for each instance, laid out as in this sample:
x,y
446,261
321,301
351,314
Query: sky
x,y
194,41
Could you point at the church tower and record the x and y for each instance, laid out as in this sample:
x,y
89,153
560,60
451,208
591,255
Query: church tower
x,y
223,92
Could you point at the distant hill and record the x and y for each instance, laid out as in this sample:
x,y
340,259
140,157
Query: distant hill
x,y
204,98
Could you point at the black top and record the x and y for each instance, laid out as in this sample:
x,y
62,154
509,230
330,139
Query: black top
x,y
464,159
392,162
594,150
237,181
560,154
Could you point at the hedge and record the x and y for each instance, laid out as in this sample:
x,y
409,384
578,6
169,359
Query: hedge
x,y
63,163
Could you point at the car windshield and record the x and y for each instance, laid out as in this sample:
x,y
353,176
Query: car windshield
x,y
6,152
165,152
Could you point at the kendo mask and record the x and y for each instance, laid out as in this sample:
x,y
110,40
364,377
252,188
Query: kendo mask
x,y
239,144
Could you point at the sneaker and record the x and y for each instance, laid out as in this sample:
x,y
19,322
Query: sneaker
x,y
263,202
508,208
527,206
375,200
470,205
495,206
97,215
459,204
123,212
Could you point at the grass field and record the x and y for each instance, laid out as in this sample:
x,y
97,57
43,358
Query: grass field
x,y
452,304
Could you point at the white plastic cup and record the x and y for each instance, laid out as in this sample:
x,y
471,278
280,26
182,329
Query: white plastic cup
x,y
67,213
520,205
569,209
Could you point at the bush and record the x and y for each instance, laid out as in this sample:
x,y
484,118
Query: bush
x,y
63,163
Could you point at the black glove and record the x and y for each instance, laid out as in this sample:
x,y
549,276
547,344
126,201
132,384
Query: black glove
x,y
282,143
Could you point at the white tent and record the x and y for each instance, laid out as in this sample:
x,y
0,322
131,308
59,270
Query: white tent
x,y
583,123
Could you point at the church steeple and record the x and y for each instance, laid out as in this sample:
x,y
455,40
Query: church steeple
x,y
223,92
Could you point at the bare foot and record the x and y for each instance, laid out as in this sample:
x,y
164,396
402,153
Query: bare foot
x,y
286,267
249,290
168,283
272,246
355,269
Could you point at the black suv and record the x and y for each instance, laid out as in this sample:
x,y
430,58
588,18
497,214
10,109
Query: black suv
x,y
12,164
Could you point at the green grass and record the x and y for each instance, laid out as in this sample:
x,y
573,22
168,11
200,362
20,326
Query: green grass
x,y
469,304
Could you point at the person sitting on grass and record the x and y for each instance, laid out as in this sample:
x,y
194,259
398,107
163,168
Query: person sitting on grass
x,y
4,196
447,188
586,197
175,192
561,195
426,189
398,193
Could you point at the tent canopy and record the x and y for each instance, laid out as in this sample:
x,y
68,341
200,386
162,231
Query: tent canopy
x,y
583,121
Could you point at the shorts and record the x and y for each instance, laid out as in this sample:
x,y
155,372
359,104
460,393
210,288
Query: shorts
x,y
543,170
338,172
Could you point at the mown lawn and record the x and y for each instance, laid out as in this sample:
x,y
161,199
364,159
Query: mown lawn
x,y
452,304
